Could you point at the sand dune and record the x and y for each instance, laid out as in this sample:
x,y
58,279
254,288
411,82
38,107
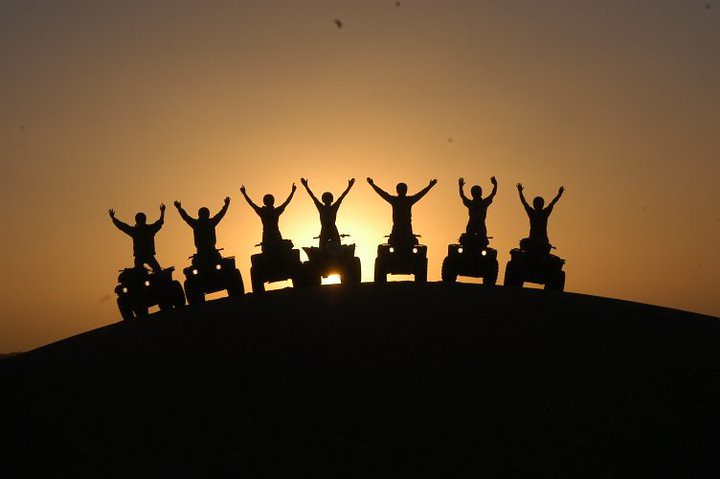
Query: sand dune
x,y
375,381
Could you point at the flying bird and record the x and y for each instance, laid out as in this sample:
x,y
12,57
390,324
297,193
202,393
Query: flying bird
x,y
338,23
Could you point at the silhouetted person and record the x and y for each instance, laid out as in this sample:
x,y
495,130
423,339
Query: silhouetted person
x,y
538,214
328,212
402,232
204,228
143,236
269,215
477,210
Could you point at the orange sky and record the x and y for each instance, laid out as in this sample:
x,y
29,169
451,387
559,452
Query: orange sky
x,y
126,104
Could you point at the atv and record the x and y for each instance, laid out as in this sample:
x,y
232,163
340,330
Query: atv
x,y
139,289
209,274
532,262
401,257
470,257
276,262
332,258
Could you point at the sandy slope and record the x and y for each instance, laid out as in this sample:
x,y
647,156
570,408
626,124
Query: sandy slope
x,y
365,382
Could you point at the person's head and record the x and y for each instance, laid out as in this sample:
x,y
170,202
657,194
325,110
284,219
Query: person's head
x,y
203,213
476,192
269,200
327,198
401,189
140,219
538,202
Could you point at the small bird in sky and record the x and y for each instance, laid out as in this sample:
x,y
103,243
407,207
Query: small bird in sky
x,y
338,23
397,4
707,6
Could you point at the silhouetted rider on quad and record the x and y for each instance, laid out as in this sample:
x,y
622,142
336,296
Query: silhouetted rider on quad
x,y
269,215
143,236
204,228
328,212
538,240
402,232
477,211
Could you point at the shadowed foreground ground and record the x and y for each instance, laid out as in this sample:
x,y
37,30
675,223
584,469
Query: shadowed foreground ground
x,y
375,381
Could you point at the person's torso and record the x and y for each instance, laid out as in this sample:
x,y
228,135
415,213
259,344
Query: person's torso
x,y
538,223
204,235
269,218
477,211
143,240
402,210
328,216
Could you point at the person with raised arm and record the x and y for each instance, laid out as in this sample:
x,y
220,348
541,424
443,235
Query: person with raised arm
x,y
477,210
402,232
328,212
270,216
204,228
538,214
143,236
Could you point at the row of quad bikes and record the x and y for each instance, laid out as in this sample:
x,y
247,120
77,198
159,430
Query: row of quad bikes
x,y
139,289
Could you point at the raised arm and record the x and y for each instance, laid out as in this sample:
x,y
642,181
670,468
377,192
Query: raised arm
x,y
250,202
555,200
351,182
282,207
304,182
158,224
216,219
383,194
124,227
461,189
494,190
183,213
417,196
522,198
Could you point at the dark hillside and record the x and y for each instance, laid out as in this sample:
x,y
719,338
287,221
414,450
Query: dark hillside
x,y
374,381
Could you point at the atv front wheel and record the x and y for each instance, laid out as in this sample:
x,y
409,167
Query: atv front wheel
x,y
380,274
126,310
257,281
448,273
352,274
556,281
236,286
512,278
490,279
421,273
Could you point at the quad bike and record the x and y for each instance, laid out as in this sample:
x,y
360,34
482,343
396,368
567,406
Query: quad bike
x,y
209,274
276,262
533,263
470,257
401,257
332,258
139,289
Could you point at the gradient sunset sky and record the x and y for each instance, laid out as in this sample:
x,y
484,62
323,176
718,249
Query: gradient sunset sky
x,y
127,104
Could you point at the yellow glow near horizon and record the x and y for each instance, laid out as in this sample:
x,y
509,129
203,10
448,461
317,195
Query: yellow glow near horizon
x,y
332,279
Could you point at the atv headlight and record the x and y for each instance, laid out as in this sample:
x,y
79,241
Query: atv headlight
x,y
124,290
218,267
483,252
460,250
391,249
415,250
147,282
194,271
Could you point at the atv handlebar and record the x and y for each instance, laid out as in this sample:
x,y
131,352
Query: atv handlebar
x,y
342,236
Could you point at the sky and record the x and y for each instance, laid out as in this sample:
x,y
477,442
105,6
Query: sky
x,y
127,104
